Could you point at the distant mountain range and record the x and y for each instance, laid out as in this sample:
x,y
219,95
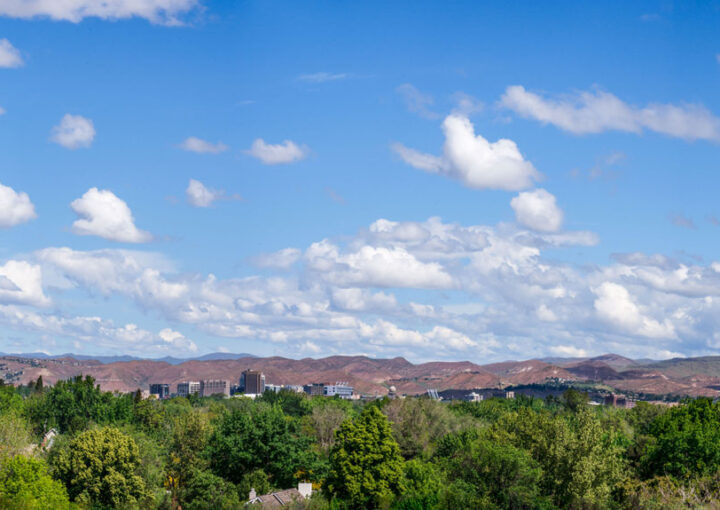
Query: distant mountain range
x,y
678,377
114,359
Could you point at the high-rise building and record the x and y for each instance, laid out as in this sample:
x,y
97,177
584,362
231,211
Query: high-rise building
x,y
187,388
253,382
214,387
160,390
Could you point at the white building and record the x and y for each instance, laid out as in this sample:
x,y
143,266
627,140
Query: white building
x,y
340,389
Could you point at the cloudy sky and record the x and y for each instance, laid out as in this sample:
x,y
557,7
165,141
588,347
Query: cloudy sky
x,y
434,180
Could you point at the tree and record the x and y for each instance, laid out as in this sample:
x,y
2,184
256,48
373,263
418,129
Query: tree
x,y
424,481
100,466
25,483
580,459
493,474
14,434
263,438
324,420
9,399
205,491
574,399
418,422
73,404
687,441
366,467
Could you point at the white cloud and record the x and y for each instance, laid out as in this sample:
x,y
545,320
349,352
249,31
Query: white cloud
x,y
322,77
371,266
23,284
517,300
9,55
285,152
176,340
595,112
537,210
417,102
167,12
105,215
15,208
473,160
281,259
615,305
195,144
200,196
568,351
73,132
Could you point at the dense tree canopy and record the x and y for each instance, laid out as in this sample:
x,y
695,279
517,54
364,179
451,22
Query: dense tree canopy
x,y
125,451
25,483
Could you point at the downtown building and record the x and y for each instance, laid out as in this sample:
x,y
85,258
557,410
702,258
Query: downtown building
x,y
187,388
160,390
252,382
214,387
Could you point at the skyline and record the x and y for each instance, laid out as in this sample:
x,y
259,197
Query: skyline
x,y
438,182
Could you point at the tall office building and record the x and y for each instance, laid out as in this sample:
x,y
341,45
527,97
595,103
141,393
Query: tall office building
x,y
253,382
214,387
187,388
160,390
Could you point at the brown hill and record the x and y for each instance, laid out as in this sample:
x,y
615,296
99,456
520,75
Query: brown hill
x,y
692,376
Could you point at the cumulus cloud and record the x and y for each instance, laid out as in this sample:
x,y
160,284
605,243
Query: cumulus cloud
x,y
537,210
15,208
167,12
473,160
322,77
73,132
195,144
374,267
9,55
615,305
22,284
598,111
269,154
417,102
176,340
105,215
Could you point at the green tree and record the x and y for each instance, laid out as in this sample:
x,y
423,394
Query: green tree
x,y
205,491
14,434
9,399
366,467
25,483
574,399
580,459
493,475
418,422
687,441
424,482
74,404
261,437
100,466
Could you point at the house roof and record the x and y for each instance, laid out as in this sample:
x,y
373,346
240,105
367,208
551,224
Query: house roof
x,y
278,499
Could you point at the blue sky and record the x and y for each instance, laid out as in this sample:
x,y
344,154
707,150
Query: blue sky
x,y
436,180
